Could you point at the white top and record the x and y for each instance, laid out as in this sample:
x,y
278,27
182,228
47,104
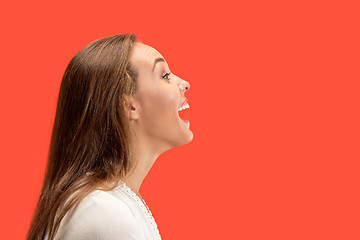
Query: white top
x,y
109,215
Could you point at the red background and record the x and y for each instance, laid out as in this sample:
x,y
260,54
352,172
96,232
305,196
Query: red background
x,y
274,109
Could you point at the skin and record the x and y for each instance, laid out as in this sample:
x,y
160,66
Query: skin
x,y
153,112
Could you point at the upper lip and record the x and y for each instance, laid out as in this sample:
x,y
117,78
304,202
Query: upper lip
x,y
183,103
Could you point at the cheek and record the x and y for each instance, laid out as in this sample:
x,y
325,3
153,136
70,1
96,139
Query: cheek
x,y
160,100
163,101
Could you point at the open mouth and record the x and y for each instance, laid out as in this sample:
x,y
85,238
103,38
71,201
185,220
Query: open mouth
x,y
184,106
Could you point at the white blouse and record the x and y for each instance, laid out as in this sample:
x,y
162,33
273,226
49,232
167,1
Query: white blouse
x,y
113,215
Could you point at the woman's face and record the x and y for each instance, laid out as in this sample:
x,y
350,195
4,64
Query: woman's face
x,y
154,115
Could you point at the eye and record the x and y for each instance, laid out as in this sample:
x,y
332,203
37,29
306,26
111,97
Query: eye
x,y
166,76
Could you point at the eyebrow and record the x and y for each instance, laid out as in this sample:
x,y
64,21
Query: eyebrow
x,y
158,60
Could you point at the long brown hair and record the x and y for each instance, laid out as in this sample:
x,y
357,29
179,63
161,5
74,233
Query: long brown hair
x,y
91,142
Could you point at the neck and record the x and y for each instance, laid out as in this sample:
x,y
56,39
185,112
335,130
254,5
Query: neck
x,y
142,165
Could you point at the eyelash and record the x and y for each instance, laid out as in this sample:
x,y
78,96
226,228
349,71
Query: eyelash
x,y
166,76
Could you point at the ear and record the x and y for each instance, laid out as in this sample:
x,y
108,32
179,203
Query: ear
x,y
131,107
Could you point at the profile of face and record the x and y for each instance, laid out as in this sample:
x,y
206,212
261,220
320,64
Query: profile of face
x,y
154,109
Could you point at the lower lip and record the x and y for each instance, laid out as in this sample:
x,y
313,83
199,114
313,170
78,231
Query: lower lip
x,y
187,122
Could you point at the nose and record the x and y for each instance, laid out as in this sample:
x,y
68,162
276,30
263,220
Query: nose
x,y
184,86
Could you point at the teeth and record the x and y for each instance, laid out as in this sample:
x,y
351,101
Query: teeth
x,y
185,106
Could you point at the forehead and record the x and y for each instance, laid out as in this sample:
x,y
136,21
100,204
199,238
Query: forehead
x,y
144,55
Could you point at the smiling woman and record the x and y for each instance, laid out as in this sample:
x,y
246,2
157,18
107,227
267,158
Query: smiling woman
x,y
117,112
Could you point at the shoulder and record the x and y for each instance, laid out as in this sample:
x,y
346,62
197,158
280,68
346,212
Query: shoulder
x,y
102,204
101,216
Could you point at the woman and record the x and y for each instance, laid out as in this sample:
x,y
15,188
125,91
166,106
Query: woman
x,y
117,112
